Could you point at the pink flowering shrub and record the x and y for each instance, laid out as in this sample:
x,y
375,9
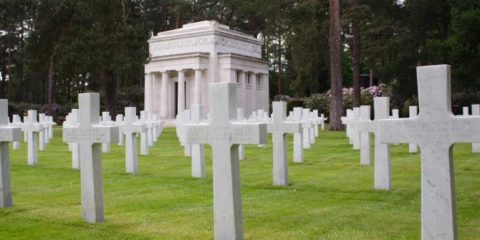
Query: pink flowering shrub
x,y
322,101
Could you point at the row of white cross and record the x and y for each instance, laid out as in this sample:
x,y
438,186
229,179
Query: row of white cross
x,y
34,126
305,130
434,130
148,126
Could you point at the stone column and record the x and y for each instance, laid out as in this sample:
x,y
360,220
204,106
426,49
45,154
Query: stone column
x,y
156,93
265,91
196,88
148,92
181,91
241,92
253,82
164,96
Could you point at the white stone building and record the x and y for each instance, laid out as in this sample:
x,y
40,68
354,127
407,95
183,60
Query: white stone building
x,y
197,54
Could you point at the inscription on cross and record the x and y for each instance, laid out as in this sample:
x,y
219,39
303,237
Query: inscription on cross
x,y
279,128
224,136
7,134
89,135
435,130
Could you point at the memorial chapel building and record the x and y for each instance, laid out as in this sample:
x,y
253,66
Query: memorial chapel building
x,y
184,61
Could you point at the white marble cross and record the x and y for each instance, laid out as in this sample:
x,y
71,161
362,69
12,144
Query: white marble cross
x,y
224,136
152,118
261,119
144,146
347,121
314,126
279,128
7,134
316,120
475,112
197,150
16,122
43,135
187,148
322,121
306,126
395,115
413,112
25,135
106,121
298,137
241,147
364,126
382,171
89,135
50,123
435,130
119,123
130,129
32,128
355,133
150,129
73,122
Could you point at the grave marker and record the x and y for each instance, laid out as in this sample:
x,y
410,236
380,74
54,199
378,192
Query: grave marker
x,y
144,147
476,112
298,137
279,128
32,128
89,135
355,133
306,126
106,121
434,130
16,122
119,123
7,134
413,112
43,134
224,137
198,150
130,129
241,147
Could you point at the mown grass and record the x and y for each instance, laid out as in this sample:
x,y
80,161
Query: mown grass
x,y
330,197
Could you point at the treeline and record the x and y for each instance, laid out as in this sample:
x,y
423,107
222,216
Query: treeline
x,y
53,49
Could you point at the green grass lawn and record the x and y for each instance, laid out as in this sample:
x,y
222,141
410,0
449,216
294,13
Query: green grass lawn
x,y
330,197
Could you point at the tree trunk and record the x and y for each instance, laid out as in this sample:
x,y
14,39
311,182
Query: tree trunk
x,y
51,82
336,104
279,48
371,77
356,56
109,84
